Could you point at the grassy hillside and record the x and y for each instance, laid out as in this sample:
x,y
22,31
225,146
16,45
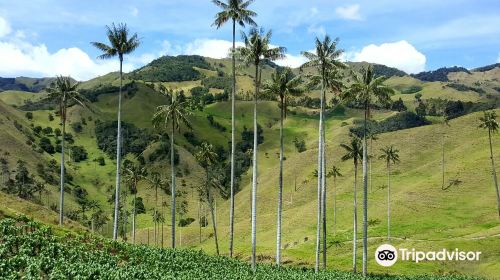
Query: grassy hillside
x,y
423,215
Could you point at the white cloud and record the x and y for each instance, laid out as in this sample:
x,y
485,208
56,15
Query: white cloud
x,y
4,27
317,30
213,48
401,55
293,61
20,57
498,59
349,12
134,11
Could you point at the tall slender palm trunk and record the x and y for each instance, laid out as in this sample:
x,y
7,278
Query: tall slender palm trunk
x,y
334,205
233,145
172,168
280,190
442,162
388,201
355,221
323,182
254,171
365,197
494,173
320,173
61,196
214,222
133,215
118,153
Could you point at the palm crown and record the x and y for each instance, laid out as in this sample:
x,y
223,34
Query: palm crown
x,y
62,90
206,155
120,42
257,47
390,155
353,150
235,10
366,86
284,84
326,57
334,172
488,121
174,113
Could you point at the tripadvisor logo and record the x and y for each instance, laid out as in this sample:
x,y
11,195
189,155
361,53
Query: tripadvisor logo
x,y
387,255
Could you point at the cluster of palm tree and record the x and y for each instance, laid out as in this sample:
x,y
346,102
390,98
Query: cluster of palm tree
x,y
326,75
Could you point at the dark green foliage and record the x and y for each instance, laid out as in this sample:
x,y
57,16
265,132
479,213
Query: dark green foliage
x,y
29,115
23,184
171,69
101,161
421,109
185,222
135,140
398,105
37,129
219,82
11,84
247,138
307,102
31,250
486,68
43,104
440,74
46,174
78,153
382,70
57,132
192,139
402,120
93,94
461,87
51,117
77,127
300,145
46,145
411,90
139,206
163,152
215,124
47,130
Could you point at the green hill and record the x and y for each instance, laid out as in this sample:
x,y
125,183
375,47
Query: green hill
x,y
424,216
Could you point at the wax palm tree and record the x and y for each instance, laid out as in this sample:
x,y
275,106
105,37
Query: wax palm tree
x,y
334,172
326,61
237,11
285,85
120,44
354,152
63,90
207,157
134,174
365,88
391,156
489,122
173,115
256,50
445,123
156,182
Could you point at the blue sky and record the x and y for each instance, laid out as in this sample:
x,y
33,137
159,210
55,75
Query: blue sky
x,y
49,37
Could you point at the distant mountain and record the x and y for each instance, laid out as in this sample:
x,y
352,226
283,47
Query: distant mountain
x,y
440,74
172,69
487,67
379,69
24,84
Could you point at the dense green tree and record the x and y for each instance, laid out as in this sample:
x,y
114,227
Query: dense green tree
x,y
257,49
120,44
